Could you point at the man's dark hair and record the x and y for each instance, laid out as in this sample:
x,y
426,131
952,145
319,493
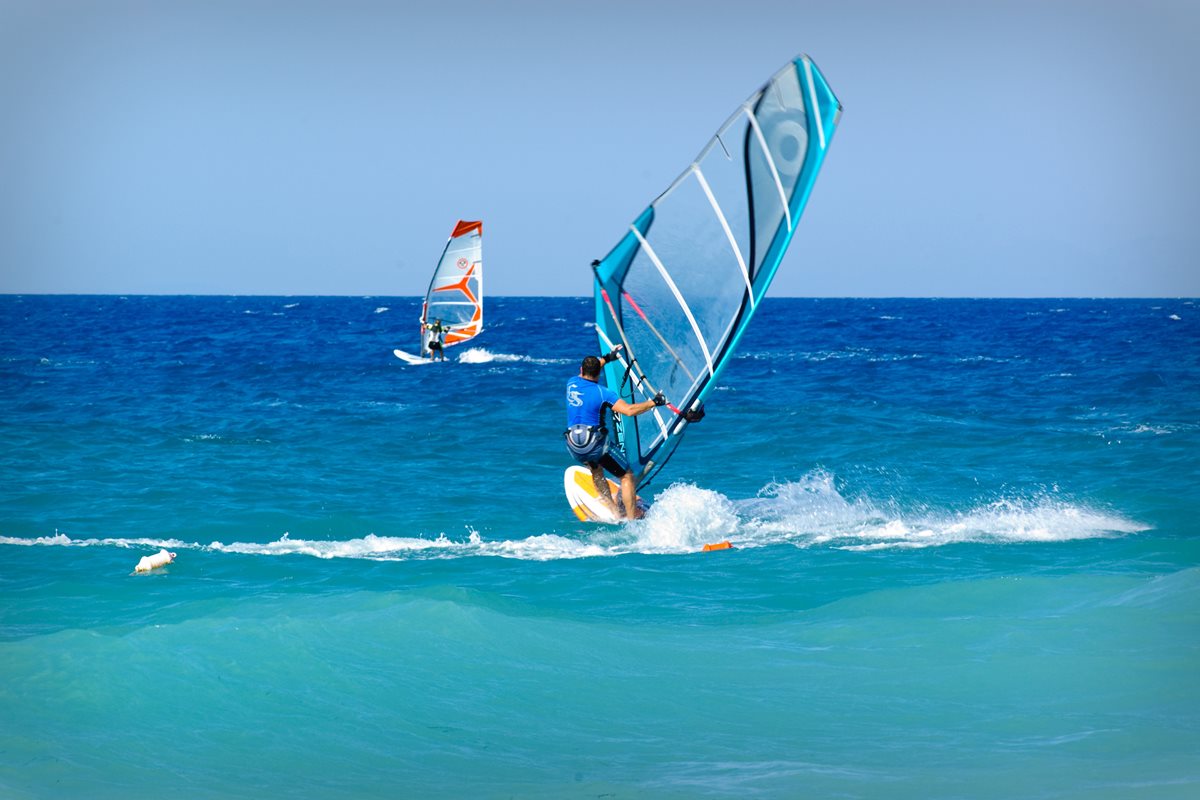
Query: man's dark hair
x,y
590,368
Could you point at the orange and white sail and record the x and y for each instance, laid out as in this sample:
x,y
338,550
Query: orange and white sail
x,y
455,293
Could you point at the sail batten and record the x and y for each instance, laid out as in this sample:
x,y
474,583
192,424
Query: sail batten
x,y
687,311
680,287
762,142
733,245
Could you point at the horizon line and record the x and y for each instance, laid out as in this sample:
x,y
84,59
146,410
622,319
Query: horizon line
x,y
589,297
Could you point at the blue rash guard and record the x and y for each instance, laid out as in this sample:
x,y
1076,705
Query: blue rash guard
x,y
585,401
586,432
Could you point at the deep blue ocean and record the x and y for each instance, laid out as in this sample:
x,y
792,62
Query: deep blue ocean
x,y
966,564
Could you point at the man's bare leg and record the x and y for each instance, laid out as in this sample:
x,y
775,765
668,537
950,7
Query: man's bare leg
x,y
602,489
629,495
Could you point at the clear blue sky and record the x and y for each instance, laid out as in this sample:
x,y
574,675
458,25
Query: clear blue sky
x,y
235,147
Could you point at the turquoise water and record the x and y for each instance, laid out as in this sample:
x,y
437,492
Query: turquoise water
x,y
965,563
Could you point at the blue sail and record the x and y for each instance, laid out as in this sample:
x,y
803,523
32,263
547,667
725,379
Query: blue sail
x,y
679,289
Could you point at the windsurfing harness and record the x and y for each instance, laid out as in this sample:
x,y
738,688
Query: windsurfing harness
x,y
588,443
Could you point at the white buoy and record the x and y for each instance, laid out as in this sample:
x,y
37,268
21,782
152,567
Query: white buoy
x,y
159,559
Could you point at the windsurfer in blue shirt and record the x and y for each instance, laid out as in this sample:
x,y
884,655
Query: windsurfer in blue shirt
x,y
587,435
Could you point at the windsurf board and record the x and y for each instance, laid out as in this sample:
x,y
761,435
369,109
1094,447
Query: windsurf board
x,y
409,358
585,501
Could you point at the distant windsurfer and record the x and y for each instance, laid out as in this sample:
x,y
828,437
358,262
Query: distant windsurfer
x,y
437,339
587,435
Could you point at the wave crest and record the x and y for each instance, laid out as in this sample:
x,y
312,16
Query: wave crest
x,y
809,512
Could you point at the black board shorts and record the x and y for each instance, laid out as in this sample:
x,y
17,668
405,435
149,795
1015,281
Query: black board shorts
x,y
614,463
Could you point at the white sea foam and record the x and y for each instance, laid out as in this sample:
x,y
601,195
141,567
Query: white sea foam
x,y
1157,430
814,357
832,355
895,357
809,512
59,539
480,355
812,512
1113,432
547,547
1040,520
683,519
365,547
382,309
63,540
981,360
544,547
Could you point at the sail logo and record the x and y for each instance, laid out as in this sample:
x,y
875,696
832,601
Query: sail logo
x,y
574,398
461,263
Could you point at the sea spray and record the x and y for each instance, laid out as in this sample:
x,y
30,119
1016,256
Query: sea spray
x,y
811,511
684,518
